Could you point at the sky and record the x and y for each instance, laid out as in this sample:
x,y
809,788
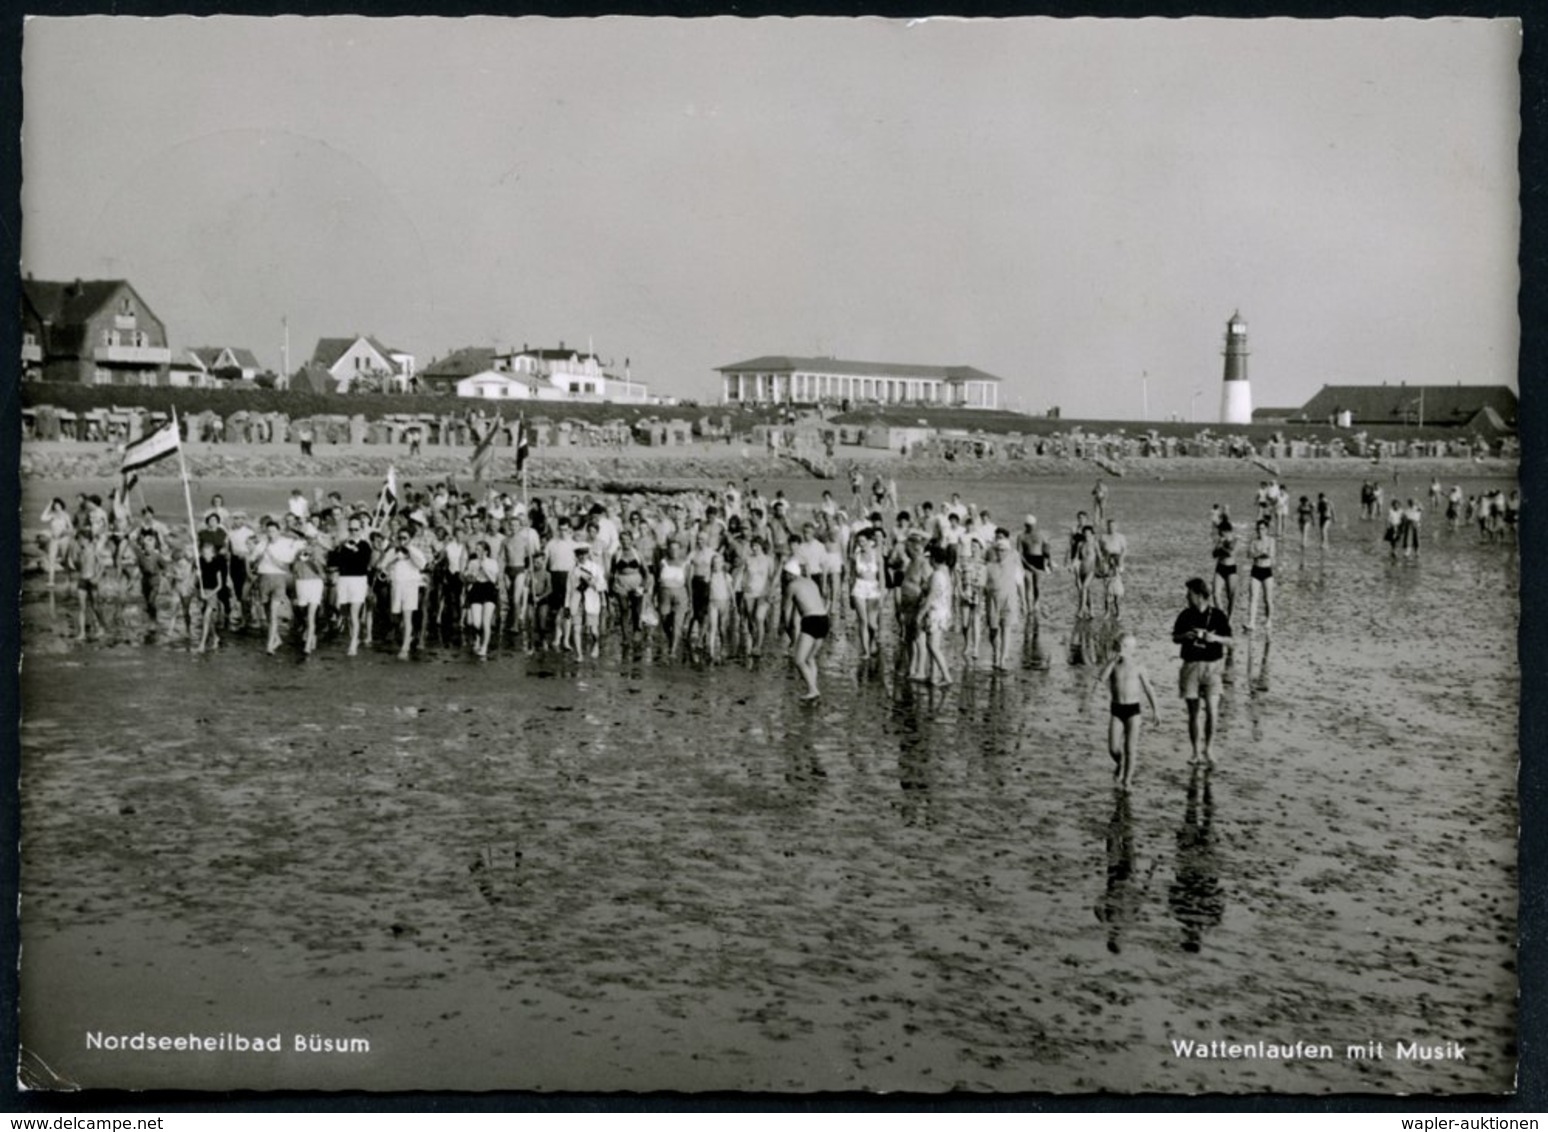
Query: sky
x,y
1075,206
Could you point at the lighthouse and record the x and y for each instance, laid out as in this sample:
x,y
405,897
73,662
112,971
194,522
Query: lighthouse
x,y
1235,393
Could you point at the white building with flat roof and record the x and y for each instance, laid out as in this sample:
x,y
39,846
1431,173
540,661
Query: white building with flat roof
x,y
779,379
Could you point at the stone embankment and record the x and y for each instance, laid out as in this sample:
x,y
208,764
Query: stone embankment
x,y
705,464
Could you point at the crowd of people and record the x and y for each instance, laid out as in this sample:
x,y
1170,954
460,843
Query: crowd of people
x,y
716,574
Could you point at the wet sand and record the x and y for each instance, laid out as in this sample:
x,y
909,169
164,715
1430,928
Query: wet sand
x,y
532,873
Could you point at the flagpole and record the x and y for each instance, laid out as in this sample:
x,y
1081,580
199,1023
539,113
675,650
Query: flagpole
x,y
182,467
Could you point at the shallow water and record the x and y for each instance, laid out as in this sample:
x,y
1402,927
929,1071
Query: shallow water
x,y
536,873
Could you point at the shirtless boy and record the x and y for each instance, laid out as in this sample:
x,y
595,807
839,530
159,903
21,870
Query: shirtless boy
x,y
1126,681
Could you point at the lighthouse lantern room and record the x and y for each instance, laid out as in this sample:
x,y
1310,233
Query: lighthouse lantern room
x,y
1235,391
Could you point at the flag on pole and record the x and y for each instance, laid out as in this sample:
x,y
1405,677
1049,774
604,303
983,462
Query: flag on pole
x,y
483,449
150,448
387,502
521,443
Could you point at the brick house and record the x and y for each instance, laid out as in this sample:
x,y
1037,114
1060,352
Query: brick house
x,y
95,332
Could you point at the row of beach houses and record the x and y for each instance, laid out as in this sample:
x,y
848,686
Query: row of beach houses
x,y
102,332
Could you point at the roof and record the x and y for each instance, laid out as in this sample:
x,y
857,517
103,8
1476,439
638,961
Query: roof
x,y
785,363
330,350
1487,420
314,377
460,363
69,303
553,355
1443,404
209,355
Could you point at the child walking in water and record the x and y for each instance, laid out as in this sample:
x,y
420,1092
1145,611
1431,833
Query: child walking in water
x,y
1126,680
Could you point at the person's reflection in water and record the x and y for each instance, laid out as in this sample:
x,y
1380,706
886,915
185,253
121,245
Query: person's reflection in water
x,y
1083,643
1035,653
1258,677
1094,639
1196,898
804,772
915,777
1258,682
1120,903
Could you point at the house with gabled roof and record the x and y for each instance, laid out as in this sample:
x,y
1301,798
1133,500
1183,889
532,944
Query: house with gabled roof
x,y
314,378
93,331
785,379
348,359
443,374
226,363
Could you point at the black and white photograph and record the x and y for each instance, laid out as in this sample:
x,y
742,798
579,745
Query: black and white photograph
x,y
770,555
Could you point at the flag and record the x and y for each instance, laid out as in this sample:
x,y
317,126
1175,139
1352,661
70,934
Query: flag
x,y
521,443
387,502
150,448
483,449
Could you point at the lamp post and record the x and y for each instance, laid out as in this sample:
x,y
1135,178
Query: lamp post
x,y
1192,405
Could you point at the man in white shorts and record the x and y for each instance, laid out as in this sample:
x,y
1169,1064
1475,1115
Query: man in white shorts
x,y
273,552
352,559
406,571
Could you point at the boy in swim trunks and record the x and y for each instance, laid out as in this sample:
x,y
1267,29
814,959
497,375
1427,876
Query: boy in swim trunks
x,y
1126,680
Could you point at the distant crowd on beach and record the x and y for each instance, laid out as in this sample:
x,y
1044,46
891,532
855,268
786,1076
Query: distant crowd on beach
x,y
711,574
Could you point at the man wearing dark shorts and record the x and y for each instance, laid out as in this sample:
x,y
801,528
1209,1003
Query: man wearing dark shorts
x,y
804,600
559,558
1202,631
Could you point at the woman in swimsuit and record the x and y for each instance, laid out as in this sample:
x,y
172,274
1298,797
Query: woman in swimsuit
x,y
935,617
757,573
910,601
629,580
1262,576
481,576
56,539
1225,568
970,594
866,593
718,622
672,594
1083,561
1303,516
